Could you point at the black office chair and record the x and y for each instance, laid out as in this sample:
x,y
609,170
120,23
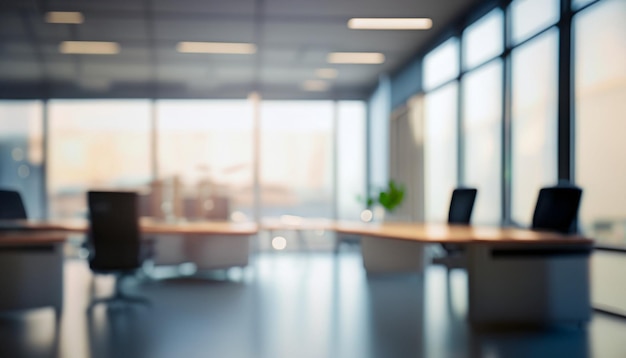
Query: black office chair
x,y
11,206
114,238
460,213
557,209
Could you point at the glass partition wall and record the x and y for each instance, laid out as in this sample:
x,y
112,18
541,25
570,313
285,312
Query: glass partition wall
x,y
188,159
205,153
503,120
96,145
21,153
522,95
600,103
541,99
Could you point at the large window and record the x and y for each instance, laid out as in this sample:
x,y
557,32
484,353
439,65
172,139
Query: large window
x,y
351,149
483,39
577,4
103,144
528,17
600,78
533,123
441,64
205,148
192,159
482,131
440,151
21,152
296,158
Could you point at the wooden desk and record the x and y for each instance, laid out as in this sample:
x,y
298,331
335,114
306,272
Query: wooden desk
x,y
32,258
177,242
298,225
514,276
457,234
209,244
149,226
31,264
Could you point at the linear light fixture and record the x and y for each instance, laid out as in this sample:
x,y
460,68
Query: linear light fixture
x,y
64,17
361,58
315,85
235,48
326,73
89,47
414,23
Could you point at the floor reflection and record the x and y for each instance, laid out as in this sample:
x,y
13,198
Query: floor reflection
x,y
290,305
568,342
396,315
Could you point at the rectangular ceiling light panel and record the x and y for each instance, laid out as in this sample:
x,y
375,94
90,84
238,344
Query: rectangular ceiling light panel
x,y
360,58
89,47
235,48
390,24
64,17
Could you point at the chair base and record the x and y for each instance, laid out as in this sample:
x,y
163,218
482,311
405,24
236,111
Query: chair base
x,y
353,240
119,296
457,261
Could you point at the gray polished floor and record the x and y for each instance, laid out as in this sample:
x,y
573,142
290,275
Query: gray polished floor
x,y
290,305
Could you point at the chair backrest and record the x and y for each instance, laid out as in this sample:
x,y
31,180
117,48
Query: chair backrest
x,y
11,205
461,206
114,230
557,209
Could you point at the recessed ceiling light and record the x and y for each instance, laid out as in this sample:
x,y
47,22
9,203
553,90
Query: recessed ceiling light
x,y
327,73
390,24
64,17
371,58
236,48
315,85
89,47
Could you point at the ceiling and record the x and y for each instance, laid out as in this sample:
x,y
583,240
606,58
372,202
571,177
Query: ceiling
x,y
293,38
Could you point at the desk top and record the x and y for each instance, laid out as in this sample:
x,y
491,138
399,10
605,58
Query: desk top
x,y
148,226
21,238
199,228
427,233
433,233
296,223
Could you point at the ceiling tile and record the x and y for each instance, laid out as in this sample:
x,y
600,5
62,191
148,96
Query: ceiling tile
x,y
213,31
61,70
45,31
11,24
238,7
234,74
175,73
348,8
279,56
115,71
19,70
287,75
337,37
109,29
17,49
95,5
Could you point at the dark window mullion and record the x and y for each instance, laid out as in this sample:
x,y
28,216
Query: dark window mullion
x,y
460,136
507,96
565,102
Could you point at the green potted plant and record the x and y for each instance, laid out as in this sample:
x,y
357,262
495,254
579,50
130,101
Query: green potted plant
x,y
386,199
